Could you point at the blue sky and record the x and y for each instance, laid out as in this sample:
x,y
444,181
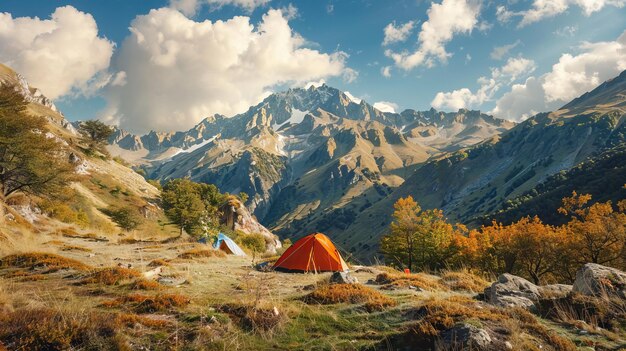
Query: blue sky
x,y
355,28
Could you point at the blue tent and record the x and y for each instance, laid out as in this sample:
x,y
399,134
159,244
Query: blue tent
x,y
226,244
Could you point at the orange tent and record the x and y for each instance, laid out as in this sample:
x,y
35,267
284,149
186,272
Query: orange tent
x,y
313,253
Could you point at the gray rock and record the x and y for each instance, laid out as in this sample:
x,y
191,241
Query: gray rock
x,y
512,291
171,280
555,291
343,278
465,337
600,281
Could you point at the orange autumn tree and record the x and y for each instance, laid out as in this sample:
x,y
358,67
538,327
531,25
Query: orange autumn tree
x,y
418,239
529,248
598,231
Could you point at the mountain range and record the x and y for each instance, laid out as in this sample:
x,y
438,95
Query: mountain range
x,y
307,157
318,159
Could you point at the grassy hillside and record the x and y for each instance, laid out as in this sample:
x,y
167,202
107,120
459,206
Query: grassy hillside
x,y
72,293
603,177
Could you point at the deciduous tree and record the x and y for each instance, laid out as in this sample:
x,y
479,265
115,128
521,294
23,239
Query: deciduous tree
x,y
31,160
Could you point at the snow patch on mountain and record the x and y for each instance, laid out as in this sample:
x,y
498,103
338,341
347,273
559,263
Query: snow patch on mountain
x,y
193,148
297,116
353,98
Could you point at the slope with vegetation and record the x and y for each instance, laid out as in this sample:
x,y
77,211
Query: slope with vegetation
x,y
309,159
477,181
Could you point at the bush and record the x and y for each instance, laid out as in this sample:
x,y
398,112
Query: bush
x,y
143,284
253,242
47,329
200,253
420,280
464,281
150,304
259,319
158,263
127,218
352,294
35,260
111,276
65,213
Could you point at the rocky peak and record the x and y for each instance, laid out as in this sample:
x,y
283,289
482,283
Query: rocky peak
x,y
31,94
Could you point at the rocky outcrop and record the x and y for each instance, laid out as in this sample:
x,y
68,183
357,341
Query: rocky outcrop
x,y
555,291
236,216
600,281
512,291
465,337
343,278
30,94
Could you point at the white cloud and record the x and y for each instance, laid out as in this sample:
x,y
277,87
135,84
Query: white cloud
x,y
179,71
397,34
576,74
514,68
567,31
503,15
386,106
349,75
542,9
190,7
445,20
58,55
499,52
569,78
465,98
386,71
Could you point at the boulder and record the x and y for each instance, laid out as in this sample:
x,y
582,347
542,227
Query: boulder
x,y
513,291
235,216
600,281
343,278
465,337
171,280
555,291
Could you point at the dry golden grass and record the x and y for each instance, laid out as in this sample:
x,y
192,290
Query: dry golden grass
x,y
201,253
33,278
158,262
441,314
16,274
352,294
47,329
131,319
34,260
144,284
263,320
436,315
75,248
149,304
50,329
419,280
111,276
464,281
